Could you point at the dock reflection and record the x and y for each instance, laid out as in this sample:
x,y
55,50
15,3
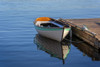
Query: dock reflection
x,y
52,47
86,49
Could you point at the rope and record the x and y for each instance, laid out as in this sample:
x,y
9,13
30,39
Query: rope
x,y
74,41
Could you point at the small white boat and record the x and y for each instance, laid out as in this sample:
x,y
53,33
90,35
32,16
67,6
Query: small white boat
x,y
51,28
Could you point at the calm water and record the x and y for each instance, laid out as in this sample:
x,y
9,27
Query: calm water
x,y
17,34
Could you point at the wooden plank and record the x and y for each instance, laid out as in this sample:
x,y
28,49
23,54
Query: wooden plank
x,y
92,24
88,36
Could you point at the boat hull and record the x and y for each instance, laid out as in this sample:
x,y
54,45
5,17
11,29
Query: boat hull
x,y
57,34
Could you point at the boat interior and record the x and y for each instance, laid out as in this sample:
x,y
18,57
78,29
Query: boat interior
x,y
45,24
48,24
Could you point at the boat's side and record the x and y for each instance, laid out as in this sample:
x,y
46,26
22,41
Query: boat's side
x,y
65,32
53,33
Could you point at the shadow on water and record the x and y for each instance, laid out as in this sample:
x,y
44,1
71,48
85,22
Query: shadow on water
x,y
86,49
52,47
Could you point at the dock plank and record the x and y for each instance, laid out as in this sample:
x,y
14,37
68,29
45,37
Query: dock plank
x,y
92,24
91,36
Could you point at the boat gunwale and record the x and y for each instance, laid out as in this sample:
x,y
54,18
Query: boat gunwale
x,y
48,28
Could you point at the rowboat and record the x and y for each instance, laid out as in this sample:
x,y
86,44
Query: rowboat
x,y
53,48
51,28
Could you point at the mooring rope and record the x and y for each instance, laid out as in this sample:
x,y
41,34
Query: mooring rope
x,y
74,41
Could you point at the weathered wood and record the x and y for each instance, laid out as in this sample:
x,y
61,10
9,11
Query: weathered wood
x,y
87,35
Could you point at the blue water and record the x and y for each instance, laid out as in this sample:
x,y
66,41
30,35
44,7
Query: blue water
x,y
17,33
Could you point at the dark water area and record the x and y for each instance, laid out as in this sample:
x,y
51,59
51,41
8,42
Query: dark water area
x,y
21,47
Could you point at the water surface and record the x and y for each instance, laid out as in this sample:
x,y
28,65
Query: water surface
x,y
17,33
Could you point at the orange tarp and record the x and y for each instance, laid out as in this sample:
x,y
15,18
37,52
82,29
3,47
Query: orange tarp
x,y
43,19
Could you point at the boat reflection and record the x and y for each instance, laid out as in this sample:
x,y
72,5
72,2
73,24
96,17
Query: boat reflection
x,y
86,49
52,47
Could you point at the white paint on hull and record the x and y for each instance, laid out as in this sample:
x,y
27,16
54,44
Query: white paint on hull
x,y
65,33
56,35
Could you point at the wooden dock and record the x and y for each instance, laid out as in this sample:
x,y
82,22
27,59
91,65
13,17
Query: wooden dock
x,y
91,36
